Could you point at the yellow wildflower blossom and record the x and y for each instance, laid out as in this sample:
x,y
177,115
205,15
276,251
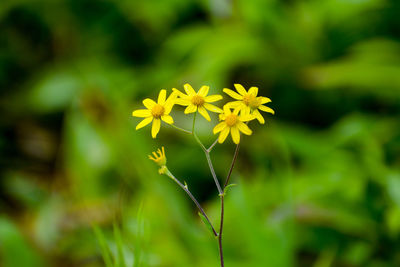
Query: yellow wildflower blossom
x,y
198,101
234,123
160,159
248,102
155,112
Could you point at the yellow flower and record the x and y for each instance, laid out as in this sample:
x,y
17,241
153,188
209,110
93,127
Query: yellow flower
x,y
160,159
249,102
156,112
233,123
198,101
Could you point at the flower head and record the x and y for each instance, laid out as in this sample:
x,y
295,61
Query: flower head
x,y
248,102
156,112
160,159
234,123
198,101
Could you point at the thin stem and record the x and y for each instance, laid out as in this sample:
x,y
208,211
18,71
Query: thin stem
x,y
212,146
170,175
207,153
221,225
180,129
232,165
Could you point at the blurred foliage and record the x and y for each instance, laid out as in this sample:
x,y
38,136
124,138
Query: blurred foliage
x,y
318,185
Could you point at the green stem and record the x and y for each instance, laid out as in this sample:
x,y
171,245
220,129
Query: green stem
x,y
222,204
180,129
170,175
207,153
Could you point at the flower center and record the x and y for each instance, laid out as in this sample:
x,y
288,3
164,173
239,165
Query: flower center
x,y
231,120
197,100
157,111
251,101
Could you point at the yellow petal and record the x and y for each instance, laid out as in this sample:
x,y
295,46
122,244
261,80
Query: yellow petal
x,y
182,102
264,100
204,113
142,113
149,103
212,98
266,109
240,89
189,89
212,108
244,128
179,93
258,116
162,96
203,90
190,109
227,110
168,119
219,127
232,94
144,123
246,117
222,136
253,91
235,135
234,104
171,100
155,128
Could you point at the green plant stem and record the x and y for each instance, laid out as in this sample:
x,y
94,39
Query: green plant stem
x,y
180,129
207,153
221,225
170,175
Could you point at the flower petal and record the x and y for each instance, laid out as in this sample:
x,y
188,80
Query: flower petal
x,y
142,113
266,109
203,90
247,117
171,100
179,93
190,109
149,103
162,96
168,119
144,123
235,135
204,113
219,127
234,104
182,102
258,116
212,98
232,94
212,108
155,128
222,136
253,91
240,89
189,89
244,128
227,110
264,100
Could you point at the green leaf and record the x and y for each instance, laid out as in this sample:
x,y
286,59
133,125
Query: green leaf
x,y
205,221
228,186
119,259
105,251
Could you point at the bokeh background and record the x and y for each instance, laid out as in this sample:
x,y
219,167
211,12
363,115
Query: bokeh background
x,y
317,185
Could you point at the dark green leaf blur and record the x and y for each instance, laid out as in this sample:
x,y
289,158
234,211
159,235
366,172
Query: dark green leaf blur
x,y
317,185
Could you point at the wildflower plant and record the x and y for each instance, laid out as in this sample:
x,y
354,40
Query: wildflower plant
x,y
234,119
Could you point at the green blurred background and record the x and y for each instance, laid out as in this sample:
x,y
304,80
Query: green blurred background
x,y
318,184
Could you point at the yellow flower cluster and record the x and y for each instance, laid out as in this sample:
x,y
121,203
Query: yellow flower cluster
x,y
234,116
